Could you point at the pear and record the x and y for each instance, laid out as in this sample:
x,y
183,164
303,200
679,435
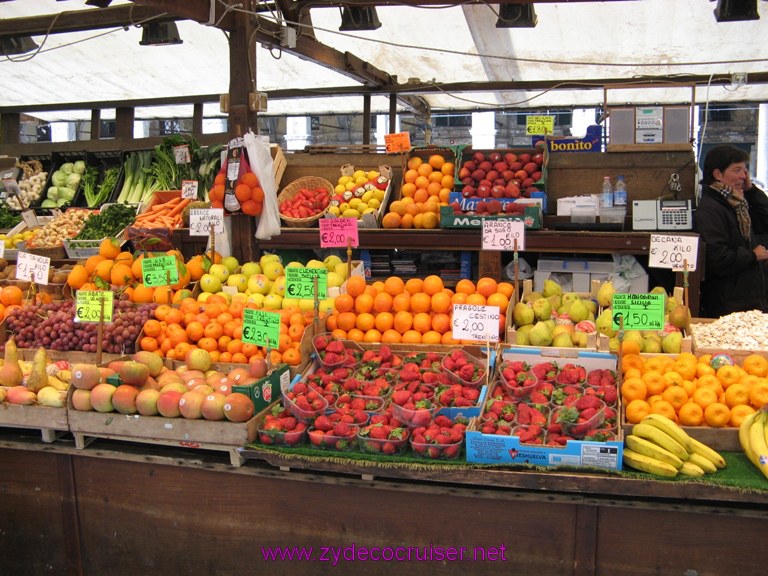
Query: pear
x,y
569,298
634,335
551,288
578,311
540,334
49,396
604,323
580,339
555,301
562,340
651,345
10,372
542,309
550,324
591,305
680,316
605,294
521,335
532,296
613,344
672,343
522,314
38,377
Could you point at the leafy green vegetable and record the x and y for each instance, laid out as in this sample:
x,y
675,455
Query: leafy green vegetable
x,y
8,219
109,222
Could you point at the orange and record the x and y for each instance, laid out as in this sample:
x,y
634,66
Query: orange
x,y
691,414
365,321
710,381
676,396
414,162
486,286
421,302
717,415
356,335
346,320
422,322
372,335
414,285
441,302
498,299
213,330
295,331
758,394
292,357
124,258
447,338
344,303
401,302
195,331
410,177
476,299
737,394
403,321
149,344
384,321
685,365
465,286
363,303
459,298
77,276
135,267
728,375
702,369
665,409
431,337
390,336
738,413
755,364
436,161
632,361
339,334
382,302
355,286
406,222
152,328
421,195
630,347
411,337
11,295
91,263
634,389
655,383
195,268
109,248
637,410
121,275
391,220
142,294
394,285
424,169
162,295
433,284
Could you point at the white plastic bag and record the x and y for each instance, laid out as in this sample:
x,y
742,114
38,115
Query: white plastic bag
x,y
262,165
625,267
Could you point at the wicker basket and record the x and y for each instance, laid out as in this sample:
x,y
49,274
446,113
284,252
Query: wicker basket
x,y
293,188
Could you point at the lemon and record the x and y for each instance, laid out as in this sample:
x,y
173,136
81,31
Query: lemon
x,y
343,206
340,189
334,210
360,181
358,174
373,174
354,203
367,196
350,213
379,195
8,243
350,185
344,180
373,203
369,210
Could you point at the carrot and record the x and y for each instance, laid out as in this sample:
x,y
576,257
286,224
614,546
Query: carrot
x,y
179,207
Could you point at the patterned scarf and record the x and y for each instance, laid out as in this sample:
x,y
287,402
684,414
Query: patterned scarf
x,y
736,201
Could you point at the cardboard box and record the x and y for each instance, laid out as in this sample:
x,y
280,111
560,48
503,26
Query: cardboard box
x,y
589,143
493,449
370,220
267,389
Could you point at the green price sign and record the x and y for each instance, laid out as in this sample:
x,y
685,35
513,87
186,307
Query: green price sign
x,y
639,311
260,326
156,271
539,124
300,282
88,305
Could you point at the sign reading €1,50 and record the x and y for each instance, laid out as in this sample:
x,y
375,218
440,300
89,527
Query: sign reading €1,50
x,y
539,125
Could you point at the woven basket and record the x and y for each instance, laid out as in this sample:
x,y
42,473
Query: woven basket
x,y
293,188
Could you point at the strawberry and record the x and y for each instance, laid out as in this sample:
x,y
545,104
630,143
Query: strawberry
x,y
323,423
545,370
587,401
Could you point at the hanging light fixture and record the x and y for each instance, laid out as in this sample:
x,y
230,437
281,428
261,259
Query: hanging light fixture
x,y
516,16
736,10
357,18
160,34
18,45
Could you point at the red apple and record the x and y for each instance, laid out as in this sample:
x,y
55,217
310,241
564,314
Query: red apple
x,y
531,167
509,157
478,157
524,158
494,156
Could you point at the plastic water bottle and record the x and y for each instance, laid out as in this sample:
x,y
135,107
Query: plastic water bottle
x,y
606,198
620,192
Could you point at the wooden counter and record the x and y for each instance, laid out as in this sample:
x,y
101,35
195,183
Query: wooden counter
x,y
126,509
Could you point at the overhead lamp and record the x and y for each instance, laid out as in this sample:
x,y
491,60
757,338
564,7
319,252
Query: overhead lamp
x,y
516,16
736,10
99,3
18,45
160,34
358,18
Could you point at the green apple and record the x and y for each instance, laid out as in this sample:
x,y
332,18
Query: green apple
x,y
326,306
294,264
290,303
220,271
250,268
334,280
210,283
231,263
259,284
226,295
341,270
315,264
268,258
273,302
331,261
239,281
278,286
273,269
257,299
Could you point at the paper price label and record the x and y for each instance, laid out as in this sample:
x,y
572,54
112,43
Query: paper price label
x,y
338,232
672,250
501,234
156,271
189,189
300,282
475,322
261,328
181,154
201,220
539,124
88,305
32,267
399,142
639,311
30,218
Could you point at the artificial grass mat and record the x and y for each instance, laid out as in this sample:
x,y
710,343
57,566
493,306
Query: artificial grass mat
x,y
739,474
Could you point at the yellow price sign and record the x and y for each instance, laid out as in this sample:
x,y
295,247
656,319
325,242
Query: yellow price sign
x,y
400,142
539,124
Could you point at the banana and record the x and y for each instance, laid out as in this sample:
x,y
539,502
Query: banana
x,y
56,383
648,448
758,444
655,435
744,428
702,463
670,428
708,453
690,469
648,464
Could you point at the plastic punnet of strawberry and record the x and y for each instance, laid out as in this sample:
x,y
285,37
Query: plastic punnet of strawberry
x,y
457,395
281,428
571,373
338,436
354,402
424,360
528,413
530,433
464,368
566,395
382,357
330,351
383,438
546,371
500,410
303,402
581,417
439,439
518,384
414,412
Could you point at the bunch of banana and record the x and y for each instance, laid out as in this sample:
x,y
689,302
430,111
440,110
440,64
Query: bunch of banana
x,y
657,445
753,437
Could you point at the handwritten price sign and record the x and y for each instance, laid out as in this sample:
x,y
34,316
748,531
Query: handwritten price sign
x,y
639,311
539,124
475,322
181,154
88,305
201,220
32,267
501,234
189,189
671,250
338,233
159,271
399,142
260,327
300,282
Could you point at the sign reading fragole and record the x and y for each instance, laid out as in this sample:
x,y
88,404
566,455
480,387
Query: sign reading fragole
x,y
300,282
472,322
261,327
88,305
674,250
399,142
639,311
338,233
159,271
539,124
501,234
32,267
201,220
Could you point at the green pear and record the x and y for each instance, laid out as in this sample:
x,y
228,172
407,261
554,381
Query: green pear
x,y
613,344
578,311
670,303
563,310
523,314
651,345
636,336
680,316
590,304
551,288
331,261
672,343
550,324
562,340
540,335
542,309
532,296
604,323
521,335
555,301
569,298
580,339
605,294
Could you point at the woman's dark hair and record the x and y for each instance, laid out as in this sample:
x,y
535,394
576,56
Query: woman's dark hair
x,y
719,158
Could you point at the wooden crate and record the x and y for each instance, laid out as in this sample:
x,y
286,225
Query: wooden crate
x,y
52,422
737,355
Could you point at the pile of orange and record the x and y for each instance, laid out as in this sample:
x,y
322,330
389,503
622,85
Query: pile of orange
x,y
11,297
113,268
426,186
416,311
248,192
690,391
216,326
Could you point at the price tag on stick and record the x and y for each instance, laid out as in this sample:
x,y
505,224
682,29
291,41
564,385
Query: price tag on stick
x,y
88,305
159,271
189,189
181,154
501,234
638,311
32,267
475,322
338,233
202,219
671,250
261,327
300,282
